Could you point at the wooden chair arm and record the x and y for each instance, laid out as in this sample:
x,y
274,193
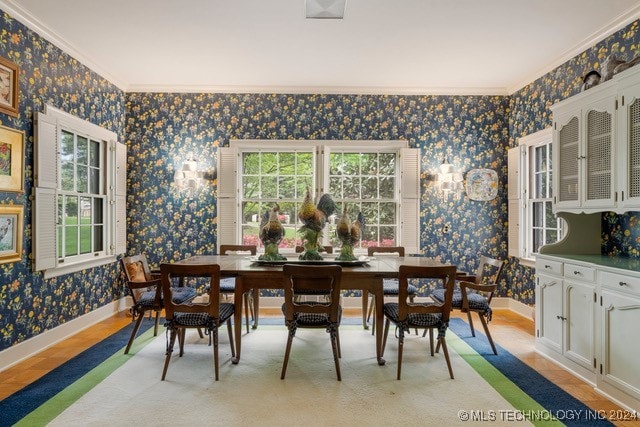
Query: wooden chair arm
x,y
478,287
466,277
140,285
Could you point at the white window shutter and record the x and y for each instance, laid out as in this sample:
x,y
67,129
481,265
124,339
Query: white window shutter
x,y
410,200
227,222
45,231
121,169
514,192
46,152
120,197
227,172
227,192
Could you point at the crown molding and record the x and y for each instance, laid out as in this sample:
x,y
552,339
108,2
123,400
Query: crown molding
x,y
321,90
597,36
25,17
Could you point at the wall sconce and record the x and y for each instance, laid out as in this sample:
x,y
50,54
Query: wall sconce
x,y
189,177
449,181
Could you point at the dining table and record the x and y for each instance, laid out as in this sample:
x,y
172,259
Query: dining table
x,y
367,275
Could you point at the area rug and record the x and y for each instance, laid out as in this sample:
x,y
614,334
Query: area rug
x,y
126,390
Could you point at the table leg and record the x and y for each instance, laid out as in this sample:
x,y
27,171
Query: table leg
x,y
365,306
379,300
237,318
256,307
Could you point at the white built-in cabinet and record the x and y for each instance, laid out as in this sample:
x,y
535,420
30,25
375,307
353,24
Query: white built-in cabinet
x,y
596,147
587,319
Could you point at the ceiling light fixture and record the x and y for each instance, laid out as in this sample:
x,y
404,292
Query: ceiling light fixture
x,y
325,9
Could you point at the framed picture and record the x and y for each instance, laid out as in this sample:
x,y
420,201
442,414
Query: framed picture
x,y
11,160
9,79
11,222
482,184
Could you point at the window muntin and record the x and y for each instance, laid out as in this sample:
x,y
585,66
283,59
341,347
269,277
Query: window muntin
x,y
81,199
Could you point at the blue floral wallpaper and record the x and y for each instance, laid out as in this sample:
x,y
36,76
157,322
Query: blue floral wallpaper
x,y
29,304
161,128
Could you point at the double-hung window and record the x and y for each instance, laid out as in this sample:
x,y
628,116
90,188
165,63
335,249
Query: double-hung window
x,y
532,223
379,179
80,217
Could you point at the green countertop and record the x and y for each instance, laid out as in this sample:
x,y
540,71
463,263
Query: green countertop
x,y
623,263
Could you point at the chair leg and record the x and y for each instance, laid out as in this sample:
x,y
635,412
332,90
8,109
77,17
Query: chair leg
x,y
134,332
384,337
200,333
438,347
231,341
338,344
336,352
292,333
446,355
372,304
431,340
214,333
256,307
400,348
183,334
155,326
167,359
473,332
487,333
411,297
245,298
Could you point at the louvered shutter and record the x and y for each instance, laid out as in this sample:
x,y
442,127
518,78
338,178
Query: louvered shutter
x,y
121,197
410,200
227,192
514,195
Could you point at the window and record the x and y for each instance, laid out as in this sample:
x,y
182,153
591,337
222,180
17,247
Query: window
x,y
531,214
363,176
80,216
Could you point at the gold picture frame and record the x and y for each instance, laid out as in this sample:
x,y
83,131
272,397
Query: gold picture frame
x,y
11,160
9,87
11,225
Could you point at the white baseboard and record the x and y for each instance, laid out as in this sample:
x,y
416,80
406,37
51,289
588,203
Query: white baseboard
x,y
30,347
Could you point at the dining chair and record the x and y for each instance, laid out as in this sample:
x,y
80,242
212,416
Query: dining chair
x,y
389,286
207,315
430,316
146,292
475,294
326,249
305,313
228,284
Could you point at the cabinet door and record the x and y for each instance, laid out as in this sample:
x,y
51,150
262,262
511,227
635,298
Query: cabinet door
x,y
579,323
549,305
620,344
629,143
598,155
566,152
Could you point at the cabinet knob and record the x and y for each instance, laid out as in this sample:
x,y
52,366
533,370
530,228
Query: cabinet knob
x,y
623,284
576,273
561,318
547,266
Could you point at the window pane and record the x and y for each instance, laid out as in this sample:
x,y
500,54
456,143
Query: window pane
x,y
370,237
335,187
83,179
67,178
288,213
305,164
369,163
370,212
85,210
94,181
302,184
552,236
538,187
538,214
387,164
251,213
387,236
269,164
351,164
250,235
98,240
269,187
538,239
250,163
85,239
71,210
351,187
95,154
387,187
286,190
83,150
551,220
71,240
250,187
97,211
540,158
369,188
60,241
335,164
388,213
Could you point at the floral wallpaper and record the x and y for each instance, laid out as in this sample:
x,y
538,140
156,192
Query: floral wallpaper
x,y
160,130
469,131
29,304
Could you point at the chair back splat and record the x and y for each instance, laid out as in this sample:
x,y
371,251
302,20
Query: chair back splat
x,y
181,316
251,297
300,312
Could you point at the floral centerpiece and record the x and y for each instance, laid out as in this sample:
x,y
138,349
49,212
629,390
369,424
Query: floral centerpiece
x,y
349,233
271,234
314,217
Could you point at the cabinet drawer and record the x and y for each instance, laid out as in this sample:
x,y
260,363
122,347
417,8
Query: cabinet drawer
x,y
545,266
620,282
580,272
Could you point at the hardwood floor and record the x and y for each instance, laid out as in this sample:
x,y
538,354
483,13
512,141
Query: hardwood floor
x,y
510,330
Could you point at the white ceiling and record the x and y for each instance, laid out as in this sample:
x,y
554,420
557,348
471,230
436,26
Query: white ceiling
x,y
381,46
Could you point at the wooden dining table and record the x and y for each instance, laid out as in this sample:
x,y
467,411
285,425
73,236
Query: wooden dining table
x,y
366,276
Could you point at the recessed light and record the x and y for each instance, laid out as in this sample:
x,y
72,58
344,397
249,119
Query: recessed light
x,y
325,9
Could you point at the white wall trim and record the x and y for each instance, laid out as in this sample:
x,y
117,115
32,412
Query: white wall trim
x,y
30,347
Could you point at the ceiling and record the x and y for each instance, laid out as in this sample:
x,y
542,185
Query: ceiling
x,y
380,47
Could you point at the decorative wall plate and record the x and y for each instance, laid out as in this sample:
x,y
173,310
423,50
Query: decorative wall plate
x,y
482,184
